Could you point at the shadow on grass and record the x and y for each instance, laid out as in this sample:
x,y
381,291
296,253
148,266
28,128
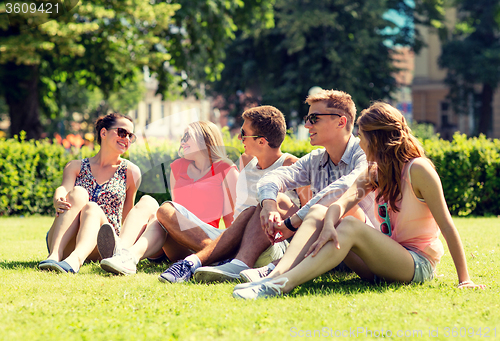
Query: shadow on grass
x,y
144,266
17,265
345,283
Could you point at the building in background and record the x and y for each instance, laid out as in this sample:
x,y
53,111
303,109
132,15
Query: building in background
x,y
429,91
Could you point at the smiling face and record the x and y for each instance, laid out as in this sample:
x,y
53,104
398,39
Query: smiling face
x,y
323,130
111,138
189,145
250,143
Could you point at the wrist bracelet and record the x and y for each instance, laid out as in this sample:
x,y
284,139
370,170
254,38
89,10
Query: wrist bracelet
x,y
465,282
289,225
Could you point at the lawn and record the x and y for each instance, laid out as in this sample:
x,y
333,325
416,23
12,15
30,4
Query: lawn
x,y
94,305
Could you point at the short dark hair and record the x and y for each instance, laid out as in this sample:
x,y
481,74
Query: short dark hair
x,y
107,122
338,100
269,122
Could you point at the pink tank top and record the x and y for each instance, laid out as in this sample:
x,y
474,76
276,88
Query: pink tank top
x,y
413,226
205,196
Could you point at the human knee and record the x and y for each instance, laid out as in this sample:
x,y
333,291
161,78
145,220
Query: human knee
x,y
90,208
166,214
78,195
147,204
349,226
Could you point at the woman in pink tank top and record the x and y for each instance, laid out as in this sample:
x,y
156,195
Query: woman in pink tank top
x,y
411,208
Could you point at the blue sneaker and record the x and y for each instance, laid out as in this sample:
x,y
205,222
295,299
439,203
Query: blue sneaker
x,y
178,272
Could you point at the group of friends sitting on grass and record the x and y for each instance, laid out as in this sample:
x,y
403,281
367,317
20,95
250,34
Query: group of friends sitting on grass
x,y
371,204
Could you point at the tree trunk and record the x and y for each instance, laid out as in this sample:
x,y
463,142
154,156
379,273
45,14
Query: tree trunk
x,y
486,111
22,98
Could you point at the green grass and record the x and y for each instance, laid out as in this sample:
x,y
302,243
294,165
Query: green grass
x,y
94,305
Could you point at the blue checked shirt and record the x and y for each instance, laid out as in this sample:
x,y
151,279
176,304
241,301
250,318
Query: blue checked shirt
x,y
328,181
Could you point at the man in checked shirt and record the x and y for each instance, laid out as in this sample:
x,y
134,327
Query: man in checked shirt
x,y
329,172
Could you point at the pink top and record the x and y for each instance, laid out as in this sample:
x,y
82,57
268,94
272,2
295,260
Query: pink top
x,y
413,226
205,196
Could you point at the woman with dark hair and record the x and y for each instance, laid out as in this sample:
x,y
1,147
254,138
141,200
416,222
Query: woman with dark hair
x,y
411,209
94,191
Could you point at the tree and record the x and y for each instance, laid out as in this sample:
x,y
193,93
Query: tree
x,y
339,44
103,43
471,54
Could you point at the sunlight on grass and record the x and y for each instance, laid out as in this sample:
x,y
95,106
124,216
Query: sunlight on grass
x,y
94,305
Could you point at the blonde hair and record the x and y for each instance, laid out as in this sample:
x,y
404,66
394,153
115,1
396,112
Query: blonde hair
x,y
208,138
391,145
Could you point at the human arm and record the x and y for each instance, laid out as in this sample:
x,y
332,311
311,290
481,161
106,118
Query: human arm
x,y
70,172
427,185
229,187
345,203
133,183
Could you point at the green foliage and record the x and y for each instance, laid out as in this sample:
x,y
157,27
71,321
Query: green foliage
x,y
470,172
31,171
471,55
424,131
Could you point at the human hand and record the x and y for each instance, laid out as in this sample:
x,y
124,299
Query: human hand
x,y
470,285
270,219
284,231
328,233
61,205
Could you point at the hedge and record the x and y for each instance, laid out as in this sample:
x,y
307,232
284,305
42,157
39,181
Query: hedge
x,y
30,171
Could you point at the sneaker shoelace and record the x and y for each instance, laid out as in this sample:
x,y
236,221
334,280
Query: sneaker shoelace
x,y
263,272
276,287
179,269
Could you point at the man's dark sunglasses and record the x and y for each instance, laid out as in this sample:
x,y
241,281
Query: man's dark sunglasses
x,y
123,133
313,118
242,134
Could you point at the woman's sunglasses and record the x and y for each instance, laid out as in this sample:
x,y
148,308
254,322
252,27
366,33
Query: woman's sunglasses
x,y
186,137
242,135
123,133
385,227
313,118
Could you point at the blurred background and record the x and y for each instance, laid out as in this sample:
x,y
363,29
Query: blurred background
x,y
437,61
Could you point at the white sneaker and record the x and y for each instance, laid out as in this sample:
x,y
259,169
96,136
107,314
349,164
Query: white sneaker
x,y
262,289
123,263
223,273
254,275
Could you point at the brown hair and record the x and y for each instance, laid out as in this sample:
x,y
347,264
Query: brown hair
x,y
107,122
338,100
269,122
391,145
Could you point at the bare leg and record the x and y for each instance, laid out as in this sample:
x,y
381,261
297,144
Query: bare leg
x,y
193,238
137,219
66,225
381,255
226,245
91,218
303,239
174,251
150,242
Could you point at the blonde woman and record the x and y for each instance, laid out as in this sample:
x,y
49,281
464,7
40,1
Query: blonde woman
x,y
202,184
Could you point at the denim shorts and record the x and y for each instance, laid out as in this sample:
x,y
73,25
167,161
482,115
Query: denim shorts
x,y
424,271
423,268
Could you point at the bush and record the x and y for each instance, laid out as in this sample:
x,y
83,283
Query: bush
x,y
470,172
30,171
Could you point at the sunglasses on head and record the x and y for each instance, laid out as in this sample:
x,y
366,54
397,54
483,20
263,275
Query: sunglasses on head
x,y
385,227
123,133
186,137
313,118
242,135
